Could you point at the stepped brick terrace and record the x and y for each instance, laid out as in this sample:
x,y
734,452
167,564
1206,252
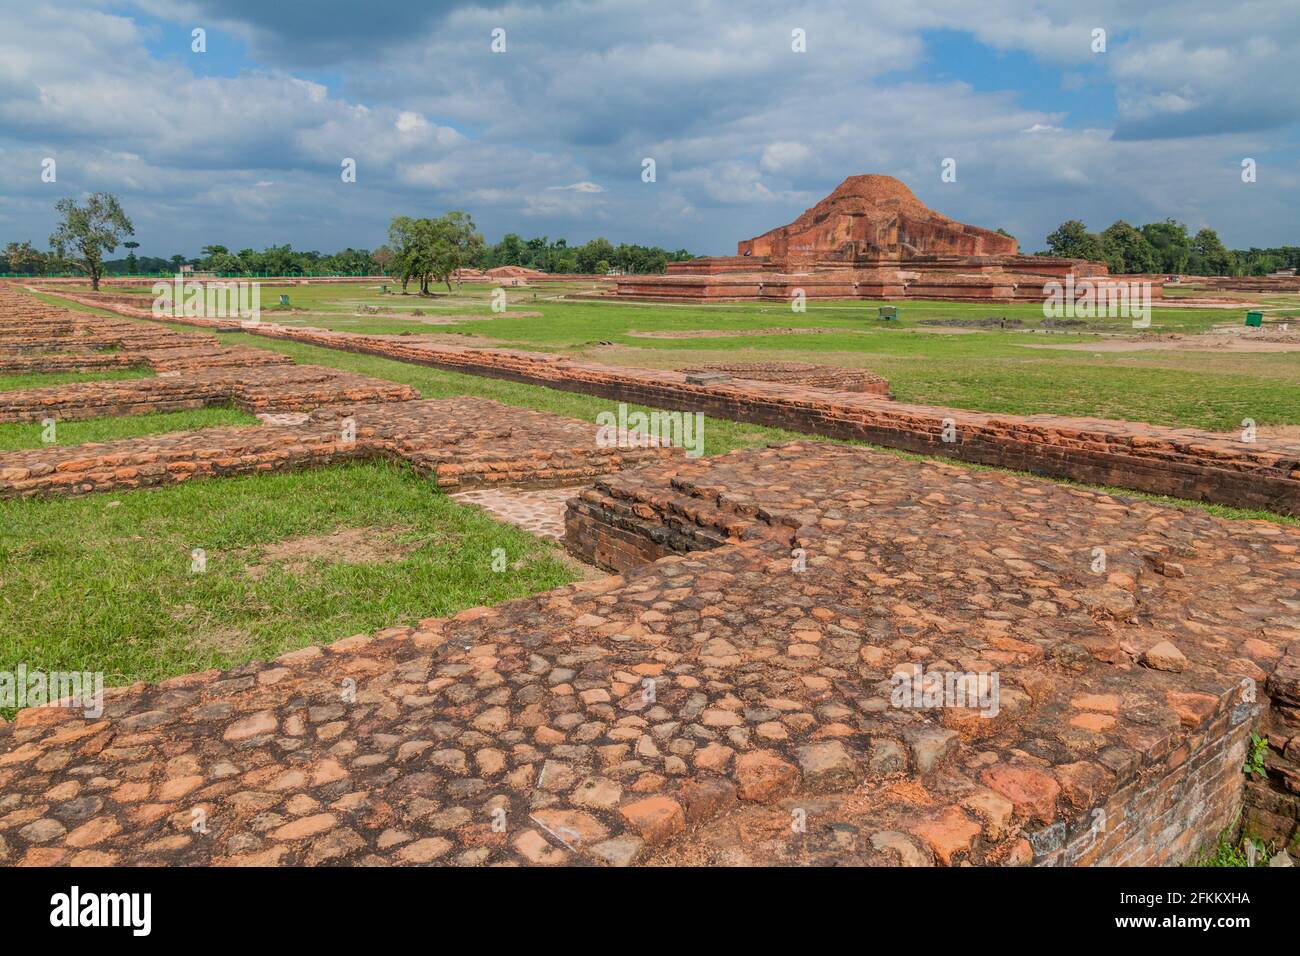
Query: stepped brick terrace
x,y
873,239
808,653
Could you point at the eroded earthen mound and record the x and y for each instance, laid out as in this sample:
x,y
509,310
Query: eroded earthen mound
x,y
874,216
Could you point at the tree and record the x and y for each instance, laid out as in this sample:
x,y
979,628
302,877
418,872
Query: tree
x,y
510,251
223,263
350,262
1126,250
1072,240
433,250
88,232
591,253
1209,256
21,256
382,258
1170,245
450,244
132,264
401,234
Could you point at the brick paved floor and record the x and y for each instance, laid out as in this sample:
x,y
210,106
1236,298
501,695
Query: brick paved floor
x,y
731,704
539,511
674,712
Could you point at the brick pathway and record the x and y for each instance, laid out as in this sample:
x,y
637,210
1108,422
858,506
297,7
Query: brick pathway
x,y
691,709
537,511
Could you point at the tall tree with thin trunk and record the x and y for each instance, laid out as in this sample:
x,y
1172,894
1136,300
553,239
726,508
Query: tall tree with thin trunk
x,y
87,233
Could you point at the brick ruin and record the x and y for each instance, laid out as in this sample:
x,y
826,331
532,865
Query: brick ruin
x,y
1181,462
869,239
737,672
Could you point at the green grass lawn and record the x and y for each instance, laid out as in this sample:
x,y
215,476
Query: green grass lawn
x,y
1142,386
105,582
19,435
994,370
9,383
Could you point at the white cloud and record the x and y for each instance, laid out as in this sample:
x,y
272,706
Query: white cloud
x,y
746,133
582,187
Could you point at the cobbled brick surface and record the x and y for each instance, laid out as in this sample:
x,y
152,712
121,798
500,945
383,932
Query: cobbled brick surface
x,y
722,706
459,442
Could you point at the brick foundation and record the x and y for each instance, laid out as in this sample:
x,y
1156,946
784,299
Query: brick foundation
x,y
1181,462
738,669
1159,796
455,442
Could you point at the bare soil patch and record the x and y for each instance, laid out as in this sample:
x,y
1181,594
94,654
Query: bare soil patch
x,y
1209,342
737,333
345,546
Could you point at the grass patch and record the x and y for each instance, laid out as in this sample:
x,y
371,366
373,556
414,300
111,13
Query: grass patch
x,y
985,370
104,583
720,435
15,436
10,383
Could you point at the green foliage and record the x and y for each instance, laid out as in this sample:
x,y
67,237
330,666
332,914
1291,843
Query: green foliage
x,y
1228,853
1126,250
1166,247
1073,241
1209,257
1255,758
432,250
1170,244
87,232
546,256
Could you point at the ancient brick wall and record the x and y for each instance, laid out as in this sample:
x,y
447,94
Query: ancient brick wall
x,y
1181,462
457,443
1185,463
1172,812
1273,800
1161,796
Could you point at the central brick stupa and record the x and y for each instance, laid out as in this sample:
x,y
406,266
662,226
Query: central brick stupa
x,y
871,238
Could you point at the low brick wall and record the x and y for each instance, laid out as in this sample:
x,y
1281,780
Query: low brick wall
x,y
1171,812
457,443
273,388
1161,792
1273,801
1182,462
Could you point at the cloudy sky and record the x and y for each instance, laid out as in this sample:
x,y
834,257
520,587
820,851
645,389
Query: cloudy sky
x,y
243,144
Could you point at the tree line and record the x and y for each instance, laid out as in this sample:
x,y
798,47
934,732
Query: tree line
x,y
1165,247
430,251
422,249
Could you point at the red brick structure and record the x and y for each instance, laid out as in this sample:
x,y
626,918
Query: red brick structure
x,y
1182,462
732,695
869,239
734,705
455,442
